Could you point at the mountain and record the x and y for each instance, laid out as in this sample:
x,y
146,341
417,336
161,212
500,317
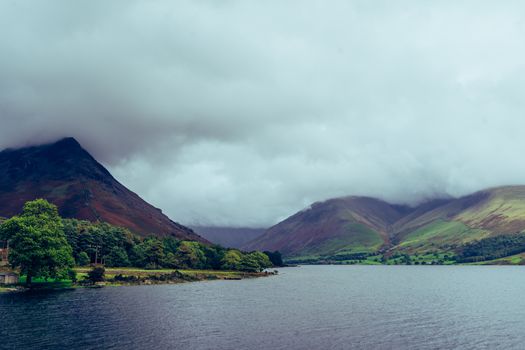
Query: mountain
x,y
336,225
231,237
68,176
352,225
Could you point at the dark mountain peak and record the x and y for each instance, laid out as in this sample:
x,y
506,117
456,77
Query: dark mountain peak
x,y
66,147
69,142
65,144
62,160
64,173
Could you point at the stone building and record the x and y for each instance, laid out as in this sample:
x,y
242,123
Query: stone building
x,y
4,256
7,277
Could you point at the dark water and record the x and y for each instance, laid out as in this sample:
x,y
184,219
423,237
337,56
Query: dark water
x,y
310,307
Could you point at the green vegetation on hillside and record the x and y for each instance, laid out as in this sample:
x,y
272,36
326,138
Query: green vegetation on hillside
x,y
438,243
492,248
439,235
358,239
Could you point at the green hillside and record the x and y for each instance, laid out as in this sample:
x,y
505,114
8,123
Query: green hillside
x,y
368,230
439,235
358,239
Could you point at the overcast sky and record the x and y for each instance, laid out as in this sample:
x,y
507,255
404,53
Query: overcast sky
x,y
243,112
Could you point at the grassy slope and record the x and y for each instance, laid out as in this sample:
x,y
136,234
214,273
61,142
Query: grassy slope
x,y
439,235
360,239
357,224
502,212
518,259
357,238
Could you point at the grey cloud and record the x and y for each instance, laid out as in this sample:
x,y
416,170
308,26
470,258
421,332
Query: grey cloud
x,y
242,112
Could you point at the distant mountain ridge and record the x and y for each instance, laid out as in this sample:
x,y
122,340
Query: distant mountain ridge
x,y
230,237
67,175
362,224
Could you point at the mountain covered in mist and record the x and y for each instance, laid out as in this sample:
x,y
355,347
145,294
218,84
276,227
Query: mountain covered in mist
x,y
230,237
68,176
352,225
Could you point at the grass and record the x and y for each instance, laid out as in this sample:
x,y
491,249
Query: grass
x,y
440,235
356,238
518,259
141,274
42,283
506,203
131,271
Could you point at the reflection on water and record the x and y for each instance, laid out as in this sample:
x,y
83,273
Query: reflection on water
x,y
309,307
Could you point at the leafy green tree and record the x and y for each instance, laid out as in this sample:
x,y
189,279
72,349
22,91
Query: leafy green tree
x,y
213,256
117,257
170,261
255,262
170,244
153,251
37,241
137,256
83,259
275,257
232,260
190,255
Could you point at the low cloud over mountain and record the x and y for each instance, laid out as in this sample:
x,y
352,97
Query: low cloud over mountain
x,y
240,113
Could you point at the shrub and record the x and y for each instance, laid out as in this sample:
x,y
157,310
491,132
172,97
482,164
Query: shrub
x,y
97,274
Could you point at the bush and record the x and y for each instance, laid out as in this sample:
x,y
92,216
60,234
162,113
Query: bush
x,y
72,275
97,274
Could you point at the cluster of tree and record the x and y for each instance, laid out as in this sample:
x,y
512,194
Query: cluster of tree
x,y
349,256
94,243
492,248
45,245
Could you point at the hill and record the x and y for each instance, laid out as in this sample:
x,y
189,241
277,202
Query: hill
x,y
355,225
350,224
68,176
232,237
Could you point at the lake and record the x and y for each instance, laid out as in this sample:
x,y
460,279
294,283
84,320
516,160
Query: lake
x,y
308,307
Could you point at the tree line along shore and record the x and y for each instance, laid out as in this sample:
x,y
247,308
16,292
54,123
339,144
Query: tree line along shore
x,y
47,250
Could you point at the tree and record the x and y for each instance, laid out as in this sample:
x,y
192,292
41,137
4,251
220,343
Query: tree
x,y
255,262
232,260
275,257
190,255
117,257
137,256
37,241
153,252
83,259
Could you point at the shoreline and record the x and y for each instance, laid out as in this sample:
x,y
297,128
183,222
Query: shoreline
x,y
121,277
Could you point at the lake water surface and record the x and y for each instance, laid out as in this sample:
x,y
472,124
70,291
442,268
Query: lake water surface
x,y
309,307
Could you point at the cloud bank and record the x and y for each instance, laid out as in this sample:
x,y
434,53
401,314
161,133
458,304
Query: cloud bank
x,y
243,112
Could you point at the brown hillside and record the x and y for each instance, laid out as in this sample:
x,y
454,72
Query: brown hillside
x,y
68,176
